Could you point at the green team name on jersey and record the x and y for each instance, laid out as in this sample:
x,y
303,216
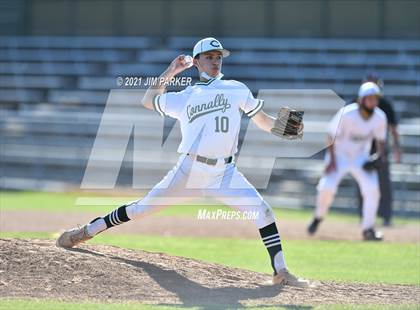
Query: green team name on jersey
x,y
220,103
360,138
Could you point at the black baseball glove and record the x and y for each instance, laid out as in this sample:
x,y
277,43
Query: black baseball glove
x,y
372,163
288,124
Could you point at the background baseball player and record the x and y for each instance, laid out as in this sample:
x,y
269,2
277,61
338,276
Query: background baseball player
x,y
351,132
209,113
385,185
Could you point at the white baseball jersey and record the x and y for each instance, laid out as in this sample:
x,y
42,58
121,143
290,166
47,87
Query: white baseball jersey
x,y
210,115
353,135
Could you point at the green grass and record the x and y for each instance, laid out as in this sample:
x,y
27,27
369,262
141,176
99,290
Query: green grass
x,y
42,304
66,202
323,260
51,202
37,304
28,235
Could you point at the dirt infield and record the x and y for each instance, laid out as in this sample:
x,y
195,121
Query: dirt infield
x,y
36,268
42,221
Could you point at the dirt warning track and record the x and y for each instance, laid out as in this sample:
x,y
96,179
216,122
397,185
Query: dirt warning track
x,y
43,221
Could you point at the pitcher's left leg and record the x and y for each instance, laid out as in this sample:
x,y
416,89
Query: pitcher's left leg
x,y
168,191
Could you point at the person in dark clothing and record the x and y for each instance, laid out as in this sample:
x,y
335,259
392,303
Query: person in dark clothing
x,y
385,203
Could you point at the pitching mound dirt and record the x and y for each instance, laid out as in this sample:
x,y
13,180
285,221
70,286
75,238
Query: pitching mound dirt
x,y
36,268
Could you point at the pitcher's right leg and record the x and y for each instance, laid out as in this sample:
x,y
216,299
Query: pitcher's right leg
x,y
236,192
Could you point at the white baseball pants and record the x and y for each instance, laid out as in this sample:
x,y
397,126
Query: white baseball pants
x,y
191,179
368,184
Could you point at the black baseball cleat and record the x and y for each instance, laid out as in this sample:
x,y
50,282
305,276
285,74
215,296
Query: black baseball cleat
x,y
312,228
372,235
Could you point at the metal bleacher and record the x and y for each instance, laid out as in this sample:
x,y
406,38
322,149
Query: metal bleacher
x,y
53,91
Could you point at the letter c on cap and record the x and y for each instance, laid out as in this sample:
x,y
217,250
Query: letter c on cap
x,y
215,43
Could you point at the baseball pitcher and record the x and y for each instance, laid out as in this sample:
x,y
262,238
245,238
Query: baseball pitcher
x,y
210,114
351,132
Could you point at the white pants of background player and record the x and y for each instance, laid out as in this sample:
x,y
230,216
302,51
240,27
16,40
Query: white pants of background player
x,y
191,179
368,184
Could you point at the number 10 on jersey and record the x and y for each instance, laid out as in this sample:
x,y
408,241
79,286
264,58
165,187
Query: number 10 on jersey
x,y
222,124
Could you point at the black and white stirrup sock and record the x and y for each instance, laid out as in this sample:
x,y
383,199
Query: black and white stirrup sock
x,y
116,217
269,234
272,242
